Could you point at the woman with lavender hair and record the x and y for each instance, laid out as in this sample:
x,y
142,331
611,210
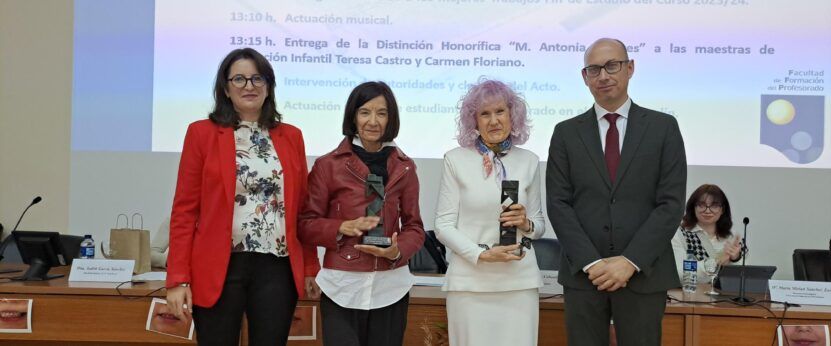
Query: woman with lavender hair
x,y
486,281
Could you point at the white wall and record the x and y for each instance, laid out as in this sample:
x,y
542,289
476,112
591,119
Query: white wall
x,y
35,110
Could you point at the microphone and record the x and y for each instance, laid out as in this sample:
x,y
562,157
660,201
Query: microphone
x,y
36,200
741,299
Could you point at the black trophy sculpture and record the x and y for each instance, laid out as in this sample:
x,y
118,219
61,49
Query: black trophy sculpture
x,y
510,196
376,236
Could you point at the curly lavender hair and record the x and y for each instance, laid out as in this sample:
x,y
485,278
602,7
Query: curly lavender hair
x,y
472,103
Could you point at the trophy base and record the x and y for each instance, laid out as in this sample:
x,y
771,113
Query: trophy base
x,y
507,237
378,241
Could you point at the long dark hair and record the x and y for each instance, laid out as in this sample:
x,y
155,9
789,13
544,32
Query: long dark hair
x,y
723,224
361,95
224,113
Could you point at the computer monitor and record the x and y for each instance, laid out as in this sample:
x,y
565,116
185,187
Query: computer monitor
x,y
756,278
41,251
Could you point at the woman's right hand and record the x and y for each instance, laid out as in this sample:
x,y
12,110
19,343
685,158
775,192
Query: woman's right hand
x,y
501,254
355,228
179,301
732,252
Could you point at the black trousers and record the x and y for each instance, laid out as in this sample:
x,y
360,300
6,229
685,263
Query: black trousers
x,y
262,287
637,317
352,327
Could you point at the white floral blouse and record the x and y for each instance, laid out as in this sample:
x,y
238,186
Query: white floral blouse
x,y
259,211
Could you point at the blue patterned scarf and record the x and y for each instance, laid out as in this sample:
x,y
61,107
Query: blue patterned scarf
x,y
492,158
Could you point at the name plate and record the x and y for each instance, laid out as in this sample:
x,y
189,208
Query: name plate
x,y
101,270
801,292
549,282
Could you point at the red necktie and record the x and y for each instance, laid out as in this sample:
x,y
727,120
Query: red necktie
x,y
612,151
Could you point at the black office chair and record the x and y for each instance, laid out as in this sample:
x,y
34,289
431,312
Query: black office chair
x,y
812,265
9,252
548,253
431,258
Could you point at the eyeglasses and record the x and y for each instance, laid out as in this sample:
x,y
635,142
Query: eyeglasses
x,y
715,207
240,81
611,67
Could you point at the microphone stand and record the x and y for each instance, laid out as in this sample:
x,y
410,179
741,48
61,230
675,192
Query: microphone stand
x,y
10,238
741,299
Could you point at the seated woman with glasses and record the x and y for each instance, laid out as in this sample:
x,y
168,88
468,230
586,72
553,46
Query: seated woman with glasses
x,y
705,229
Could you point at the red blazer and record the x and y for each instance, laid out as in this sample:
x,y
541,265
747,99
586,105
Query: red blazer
x,y
203,208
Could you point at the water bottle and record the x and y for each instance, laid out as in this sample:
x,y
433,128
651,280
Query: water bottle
x,y
88,247
690,273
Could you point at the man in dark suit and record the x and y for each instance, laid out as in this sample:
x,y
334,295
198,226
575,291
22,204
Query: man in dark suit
x,y
615,184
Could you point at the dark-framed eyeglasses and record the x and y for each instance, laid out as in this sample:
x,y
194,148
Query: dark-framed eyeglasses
x,y
715,207
240,81
611,67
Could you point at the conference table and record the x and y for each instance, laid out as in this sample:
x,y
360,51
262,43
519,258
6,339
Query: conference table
x,y
84,313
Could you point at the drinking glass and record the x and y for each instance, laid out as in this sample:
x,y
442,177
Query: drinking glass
x,y
711,268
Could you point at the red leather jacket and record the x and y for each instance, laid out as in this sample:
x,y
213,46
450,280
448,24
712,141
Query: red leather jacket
x,y
337,193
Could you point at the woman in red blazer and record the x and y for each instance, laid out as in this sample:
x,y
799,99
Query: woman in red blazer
x,y
233,229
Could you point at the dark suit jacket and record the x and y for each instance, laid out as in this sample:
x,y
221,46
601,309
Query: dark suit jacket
x,y
637,216
203,208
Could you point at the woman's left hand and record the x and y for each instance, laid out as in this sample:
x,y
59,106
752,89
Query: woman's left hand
x,y
390,253
312,289
515,216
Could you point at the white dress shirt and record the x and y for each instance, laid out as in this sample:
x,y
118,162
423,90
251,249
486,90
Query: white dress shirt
x,y
365,290
603,124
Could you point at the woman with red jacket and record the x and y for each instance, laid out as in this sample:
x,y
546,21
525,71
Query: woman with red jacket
x,y
233,230
362,194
